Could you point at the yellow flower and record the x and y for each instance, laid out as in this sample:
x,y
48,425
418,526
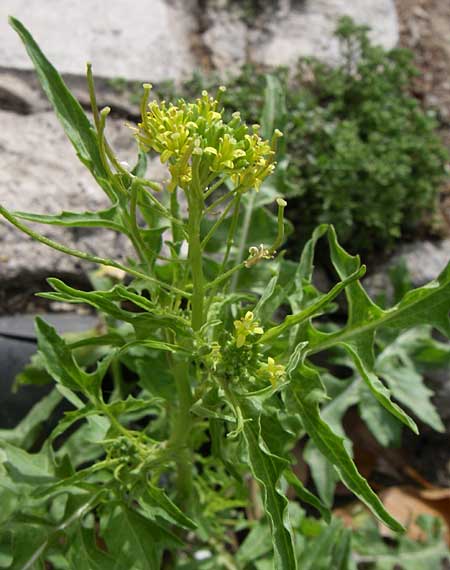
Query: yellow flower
x,y
178,132
246,326
273,370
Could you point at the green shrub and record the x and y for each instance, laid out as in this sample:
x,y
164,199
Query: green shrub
x,y
361,149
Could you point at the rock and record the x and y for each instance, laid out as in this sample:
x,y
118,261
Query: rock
x,y
142,40
227,40
20,92
424,260
41,174
307,30
288,29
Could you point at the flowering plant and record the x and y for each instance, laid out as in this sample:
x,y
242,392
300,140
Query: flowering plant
x,y
186,462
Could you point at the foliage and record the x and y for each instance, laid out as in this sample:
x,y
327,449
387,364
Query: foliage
x,y
362,144
185,463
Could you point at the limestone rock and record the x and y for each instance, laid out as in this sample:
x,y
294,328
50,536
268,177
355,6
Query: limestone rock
x,y
138,40
227,39
307,29
289,29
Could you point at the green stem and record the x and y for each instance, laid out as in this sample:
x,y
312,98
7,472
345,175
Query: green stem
x,y
219,201
215,186
116,371
217,224
159,207
98,121
244,236
181,430
224,276
232,231
196,205
136,238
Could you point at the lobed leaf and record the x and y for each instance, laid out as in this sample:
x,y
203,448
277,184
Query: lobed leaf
x,y
304,388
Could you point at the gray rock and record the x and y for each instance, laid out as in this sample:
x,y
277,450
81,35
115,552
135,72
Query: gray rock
x,y
227,40
424,260
41,174
288,30
140,40
308,30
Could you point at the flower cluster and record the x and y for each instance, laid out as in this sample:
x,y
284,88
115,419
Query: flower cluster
x,y
245,327
186,130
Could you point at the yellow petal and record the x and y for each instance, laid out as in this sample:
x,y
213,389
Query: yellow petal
x,y
240,340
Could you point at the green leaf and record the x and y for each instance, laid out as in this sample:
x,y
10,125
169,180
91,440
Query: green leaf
x,y
429,304
155,502
256,544
109,219
267,469
69,112
108,302
71,417
304,388
28,545
305,495
84,554
26,432
386,428
270,300
31,468
323,473
361,359
408,386
274,111
318,552
130,535
304,270
140,168
314,309
362,313
416,559
61,365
